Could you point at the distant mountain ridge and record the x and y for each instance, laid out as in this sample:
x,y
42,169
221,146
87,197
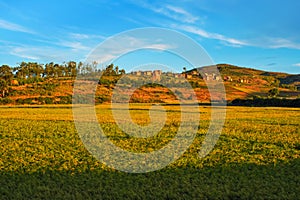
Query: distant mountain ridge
x,y
239,82
232,70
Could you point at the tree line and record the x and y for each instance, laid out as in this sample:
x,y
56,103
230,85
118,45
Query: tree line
x,y
28,72
67,69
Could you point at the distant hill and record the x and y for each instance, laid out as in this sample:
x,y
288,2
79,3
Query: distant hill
x,y
240,83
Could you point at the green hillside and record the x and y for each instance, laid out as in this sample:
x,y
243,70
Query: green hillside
x,y
32,83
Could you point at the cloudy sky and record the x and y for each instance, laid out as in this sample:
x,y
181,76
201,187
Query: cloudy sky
x,y
262,34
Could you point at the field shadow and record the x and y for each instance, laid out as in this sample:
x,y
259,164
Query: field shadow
x,y
247,181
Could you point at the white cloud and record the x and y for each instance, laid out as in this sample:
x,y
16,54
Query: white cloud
x,y
83,36
273,43
176,13
226,40
13,27
45,53
24,53
262,42
120,45
296,64
75,46
79,36
161,47
185,21
281,43
172,12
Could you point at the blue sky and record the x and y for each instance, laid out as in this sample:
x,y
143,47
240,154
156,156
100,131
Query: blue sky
x,y
261,34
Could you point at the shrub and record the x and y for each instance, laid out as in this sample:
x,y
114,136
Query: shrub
x,y
6,100
48,100
65,100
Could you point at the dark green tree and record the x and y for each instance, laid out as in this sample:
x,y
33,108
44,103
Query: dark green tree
x,y
38,70
24,70
6,73
72,71
79,67
49,69
109,70
3,88
122,71
58,70
273,92
94,66
117,70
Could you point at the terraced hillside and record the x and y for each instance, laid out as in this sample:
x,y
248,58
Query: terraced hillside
x,y
242,83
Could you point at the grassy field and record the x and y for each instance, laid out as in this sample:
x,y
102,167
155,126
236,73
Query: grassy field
x,y
256,157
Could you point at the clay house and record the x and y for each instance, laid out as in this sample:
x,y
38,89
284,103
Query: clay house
x,y
243,81
147,73
195,73
206,76
217,78
156,75
169,74
228,78
177,75
14,82
188,76
137,73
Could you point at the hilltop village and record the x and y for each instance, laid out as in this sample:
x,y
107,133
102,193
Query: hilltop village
x,y
156,75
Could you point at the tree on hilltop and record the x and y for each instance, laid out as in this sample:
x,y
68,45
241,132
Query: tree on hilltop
x,y
3,88
6,73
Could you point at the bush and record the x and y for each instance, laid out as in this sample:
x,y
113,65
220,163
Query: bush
x,y
48,100
24,101
290,87
4,101
41,100
273,92
27,101
65,100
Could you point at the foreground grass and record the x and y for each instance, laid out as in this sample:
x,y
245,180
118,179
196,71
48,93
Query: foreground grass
x,y
257,156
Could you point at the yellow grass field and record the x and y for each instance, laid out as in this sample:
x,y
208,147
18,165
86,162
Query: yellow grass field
x,y
256,156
